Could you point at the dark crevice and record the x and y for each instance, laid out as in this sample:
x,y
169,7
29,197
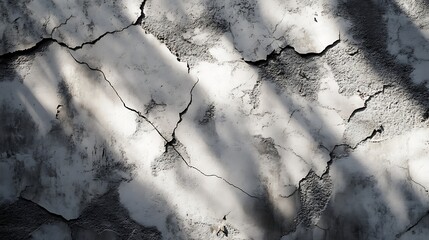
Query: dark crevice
x,y
39,46
168,143
270,57
303,179
312,54
413,225
142,16
22,218
274,54
46,41
361,109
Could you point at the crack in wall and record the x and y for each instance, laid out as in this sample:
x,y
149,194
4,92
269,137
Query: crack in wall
x,y
29,217
54,215
119,96
168,143
421,185
361,109
291,194
347,147
173,135
61,24
315,54
213,175
139,20
333,155
413,225
270,57
380,129
95,40
173,141
274,54
28,51
48,40
293,152
410,178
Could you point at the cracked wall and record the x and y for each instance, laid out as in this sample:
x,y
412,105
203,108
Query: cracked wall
x,y
214,120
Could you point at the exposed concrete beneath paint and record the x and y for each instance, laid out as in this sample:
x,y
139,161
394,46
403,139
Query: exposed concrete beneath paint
x,y
104,218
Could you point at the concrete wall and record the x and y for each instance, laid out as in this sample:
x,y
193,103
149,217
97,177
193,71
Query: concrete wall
x,y
208,119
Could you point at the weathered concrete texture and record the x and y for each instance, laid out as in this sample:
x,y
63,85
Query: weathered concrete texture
x,y
214,120
147,77
104,218
54,154
25,23
373,199
254,28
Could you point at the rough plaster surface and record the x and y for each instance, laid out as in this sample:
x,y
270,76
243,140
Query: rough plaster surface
x,y
214,120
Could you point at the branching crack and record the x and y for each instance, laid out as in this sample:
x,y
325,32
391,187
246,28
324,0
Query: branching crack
x,y
171,142
413,225
337,151
120,98
368,100
333,154
48,40
173,135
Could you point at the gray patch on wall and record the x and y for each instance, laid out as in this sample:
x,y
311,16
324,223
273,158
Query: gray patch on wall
x,y
17,129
